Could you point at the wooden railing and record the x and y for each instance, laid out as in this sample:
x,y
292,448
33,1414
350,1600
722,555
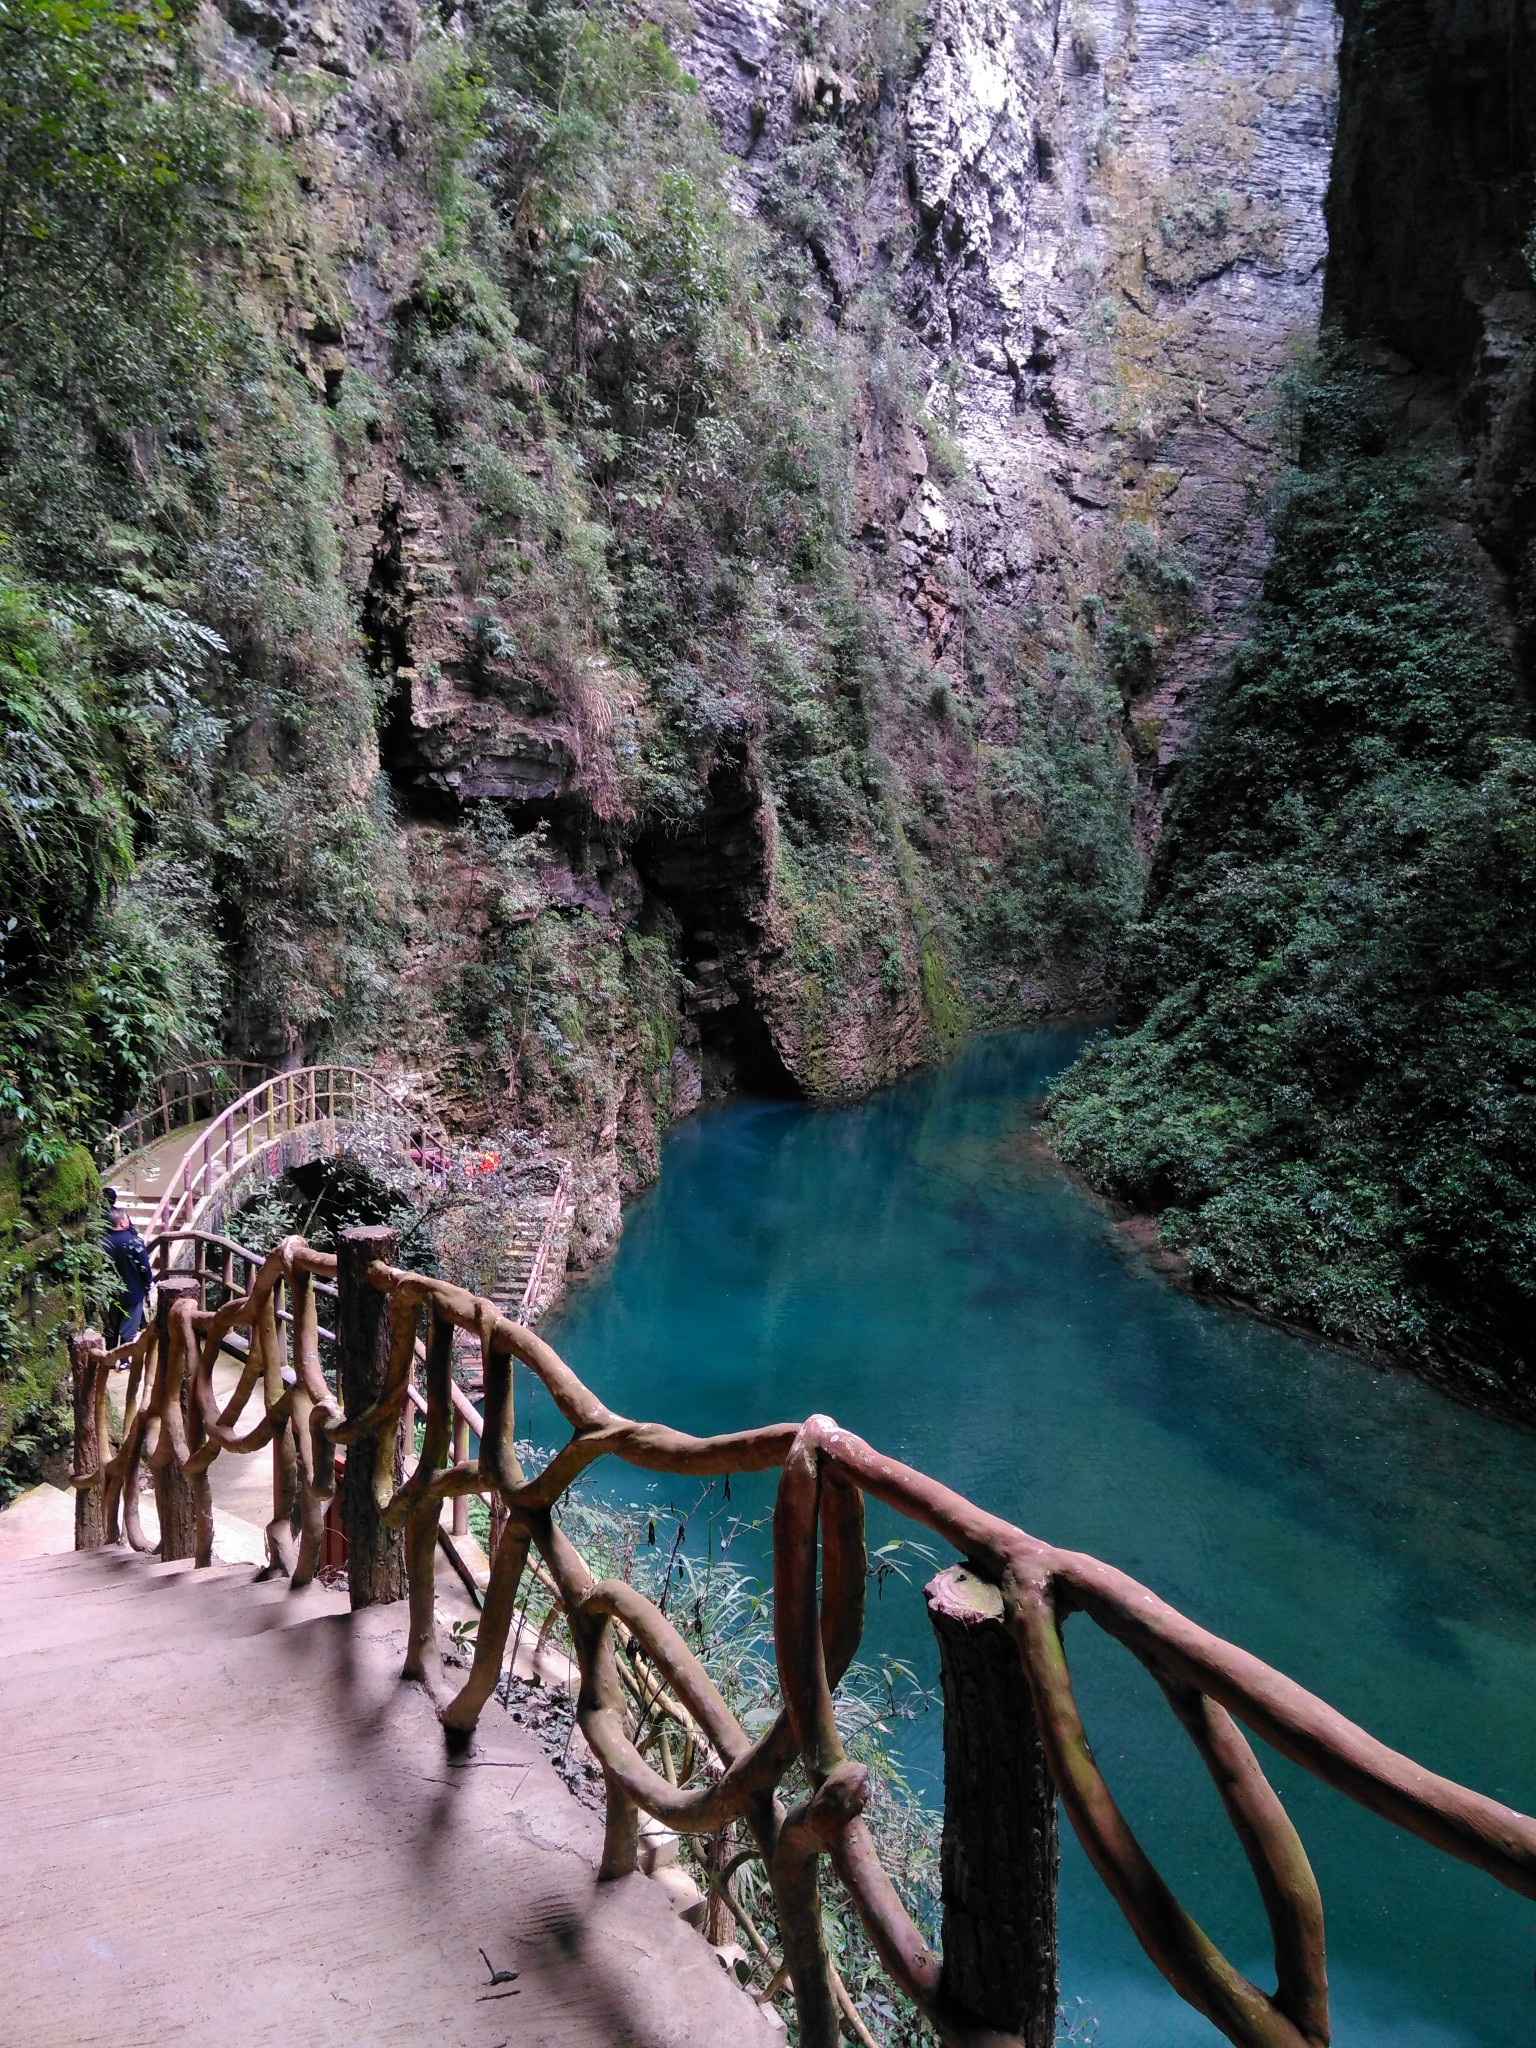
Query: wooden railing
x,y
226,1271
1016,1590
260,1120
230,1270
559,1203
178,1098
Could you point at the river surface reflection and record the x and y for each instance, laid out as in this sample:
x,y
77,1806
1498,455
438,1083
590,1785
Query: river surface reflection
x,y
915,1268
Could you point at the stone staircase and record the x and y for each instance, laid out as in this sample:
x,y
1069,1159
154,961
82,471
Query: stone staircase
x,y
545,1224
529,1275
516,1269
225,1818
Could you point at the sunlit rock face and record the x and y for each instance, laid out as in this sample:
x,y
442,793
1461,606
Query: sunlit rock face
x,y
1105,227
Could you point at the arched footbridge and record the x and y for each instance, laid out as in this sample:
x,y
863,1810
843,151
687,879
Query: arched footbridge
x,y
186,1157
189,1176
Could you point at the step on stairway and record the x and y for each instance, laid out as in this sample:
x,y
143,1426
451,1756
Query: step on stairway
x,y
552,1216
141,1211
224,1817
143,1177
509,1291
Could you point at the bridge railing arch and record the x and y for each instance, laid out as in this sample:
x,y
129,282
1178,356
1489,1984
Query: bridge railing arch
x,y
820,1567
315,1098
177,1098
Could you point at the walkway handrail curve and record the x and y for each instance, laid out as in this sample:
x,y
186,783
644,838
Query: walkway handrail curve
x,y
819,1571
172,1103
279,1106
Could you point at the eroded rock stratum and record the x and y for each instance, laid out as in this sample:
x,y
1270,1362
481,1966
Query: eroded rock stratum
x,y
1104,226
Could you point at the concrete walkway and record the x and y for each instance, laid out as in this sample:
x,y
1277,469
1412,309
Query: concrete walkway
x,y
41,1522
224,1818
143,1177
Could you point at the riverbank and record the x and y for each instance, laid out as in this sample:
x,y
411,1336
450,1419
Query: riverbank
x,y
1463,1379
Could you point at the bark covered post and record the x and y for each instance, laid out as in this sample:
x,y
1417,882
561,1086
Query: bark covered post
x,y
1000,1852
91,1449
460,1455
175,1499
375,1553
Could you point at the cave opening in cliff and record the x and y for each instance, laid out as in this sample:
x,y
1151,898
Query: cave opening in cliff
x,y
711,872
737,1054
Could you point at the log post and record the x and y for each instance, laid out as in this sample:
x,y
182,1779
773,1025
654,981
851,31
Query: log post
x,y
91,1449
460,1457
175,1499
375,1553
1000,1851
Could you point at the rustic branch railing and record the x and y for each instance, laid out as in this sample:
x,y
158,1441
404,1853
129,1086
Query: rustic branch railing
x,y
260,1120
178,1098
208,1247
1024,1587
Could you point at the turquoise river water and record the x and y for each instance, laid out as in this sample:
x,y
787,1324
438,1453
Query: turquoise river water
x,y
915,1268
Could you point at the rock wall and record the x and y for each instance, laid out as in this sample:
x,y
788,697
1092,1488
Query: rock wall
x,y
1064,250
1104,225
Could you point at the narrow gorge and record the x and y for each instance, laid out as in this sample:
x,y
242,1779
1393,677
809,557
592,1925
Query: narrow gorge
x,y
809,719
587,557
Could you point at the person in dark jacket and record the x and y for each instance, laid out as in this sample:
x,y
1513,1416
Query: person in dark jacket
x,y
128,1253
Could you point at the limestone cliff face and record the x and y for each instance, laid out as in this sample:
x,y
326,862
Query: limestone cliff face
x,y
1061,252
1334,966
1104,226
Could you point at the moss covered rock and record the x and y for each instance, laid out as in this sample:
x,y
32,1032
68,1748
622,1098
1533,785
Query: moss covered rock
x,y
66,1191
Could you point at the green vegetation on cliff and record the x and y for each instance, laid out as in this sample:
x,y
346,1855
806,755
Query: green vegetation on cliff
x,y
633,423
615,382
446,597
178,662
105,184
182,698
1325,1078
632,399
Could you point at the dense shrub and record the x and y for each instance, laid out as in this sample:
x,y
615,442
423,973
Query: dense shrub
x,y
96,980
171,621
110,176
1326,1074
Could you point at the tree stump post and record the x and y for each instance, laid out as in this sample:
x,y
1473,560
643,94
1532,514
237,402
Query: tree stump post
x,y
85,1350
1000,1851
375,1553
175,1498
